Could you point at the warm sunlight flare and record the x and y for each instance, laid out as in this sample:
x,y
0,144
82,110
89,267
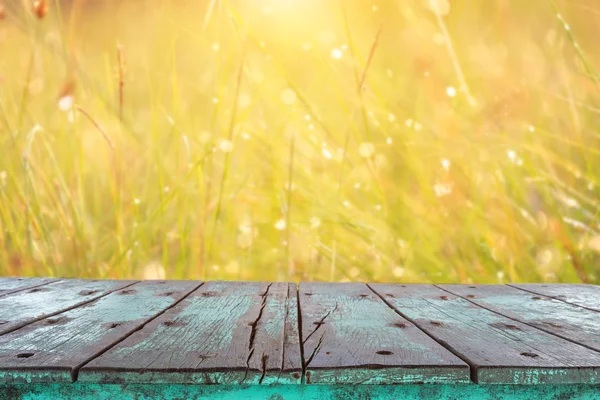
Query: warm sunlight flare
x,y
344,140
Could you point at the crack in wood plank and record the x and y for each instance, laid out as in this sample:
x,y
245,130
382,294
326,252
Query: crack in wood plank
x,y
315,351
320,323
254,326
264,368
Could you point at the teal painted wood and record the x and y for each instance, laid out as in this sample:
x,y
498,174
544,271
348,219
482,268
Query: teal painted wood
x,y
25,307
13,285
298,392
587,296
499,350
568,321
242,340
224,332
53,349
350,336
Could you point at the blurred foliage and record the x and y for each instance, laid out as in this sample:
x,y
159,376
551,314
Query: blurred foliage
x,y
406,140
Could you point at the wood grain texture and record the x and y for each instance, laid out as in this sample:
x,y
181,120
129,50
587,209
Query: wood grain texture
x,y
351,336
13,285
587,296
568,321
224,332
499,350
27,306
282,311
52,350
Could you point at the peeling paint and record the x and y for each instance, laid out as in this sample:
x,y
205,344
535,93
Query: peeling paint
x,y
297,392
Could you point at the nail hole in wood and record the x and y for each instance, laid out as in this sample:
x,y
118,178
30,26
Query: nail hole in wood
x,y
389,295
127,292
470,296
208,294
436,323
25,355
364,295
181,323
36,290
166,294
113,325
88,292
444,297
528,354
384,352
400,324
514,327
308,294
536,298
328,352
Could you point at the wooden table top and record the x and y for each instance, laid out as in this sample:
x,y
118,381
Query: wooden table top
x,y
190,332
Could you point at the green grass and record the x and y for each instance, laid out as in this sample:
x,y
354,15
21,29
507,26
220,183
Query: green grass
x,y
301,140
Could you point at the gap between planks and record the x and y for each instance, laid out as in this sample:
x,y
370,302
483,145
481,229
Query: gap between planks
x,y
300,338
523,321
472,369
559,298
15,291
75,371
45,316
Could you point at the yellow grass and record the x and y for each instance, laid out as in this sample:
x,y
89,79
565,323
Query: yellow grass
x,y
408,140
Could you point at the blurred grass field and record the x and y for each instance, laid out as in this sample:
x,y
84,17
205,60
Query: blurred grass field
x,y
401,141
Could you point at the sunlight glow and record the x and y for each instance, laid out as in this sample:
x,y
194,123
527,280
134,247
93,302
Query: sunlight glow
x,y
336,54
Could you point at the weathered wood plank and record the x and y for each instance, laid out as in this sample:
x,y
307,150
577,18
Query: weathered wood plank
x,y
292,360
280,316
297,392
13,285
224,332
27,306
499,350
586,296
52,350
351,336
553,316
